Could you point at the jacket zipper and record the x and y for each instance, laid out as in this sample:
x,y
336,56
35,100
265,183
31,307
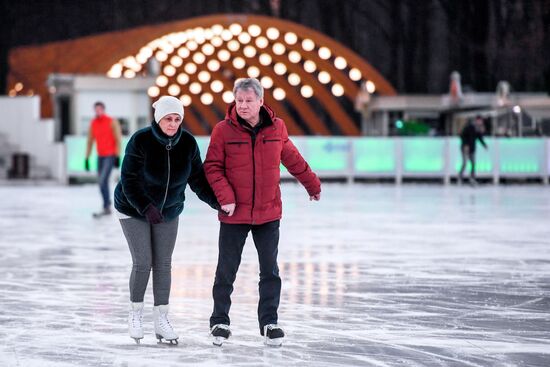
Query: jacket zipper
x,y
253,137
168,148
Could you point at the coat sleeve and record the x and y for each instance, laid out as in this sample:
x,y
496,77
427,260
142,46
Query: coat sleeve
x,y
480,138
198,183
214,168
132,177
297,166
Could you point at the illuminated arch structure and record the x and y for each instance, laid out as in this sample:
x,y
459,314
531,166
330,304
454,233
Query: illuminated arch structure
x,y
306,75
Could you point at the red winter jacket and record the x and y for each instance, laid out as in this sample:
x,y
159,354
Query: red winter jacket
x,y
248,174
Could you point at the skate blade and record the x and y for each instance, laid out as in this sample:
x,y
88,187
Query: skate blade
x,y
137,340
168,341
218,341
276,342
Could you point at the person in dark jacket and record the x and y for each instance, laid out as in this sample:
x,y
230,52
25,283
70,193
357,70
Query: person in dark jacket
x,y
468,137
243,167
160,161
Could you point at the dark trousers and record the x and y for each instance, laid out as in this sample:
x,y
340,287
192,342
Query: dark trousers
x,y
231,244
104,168
468,154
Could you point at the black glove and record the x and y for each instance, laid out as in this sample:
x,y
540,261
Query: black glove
x,y
153,215
86,164
117,162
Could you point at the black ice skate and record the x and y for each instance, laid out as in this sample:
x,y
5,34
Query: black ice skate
x,y
273,335
220,333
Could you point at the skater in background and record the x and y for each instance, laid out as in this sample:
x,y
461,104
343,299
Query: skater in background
x,y
472,132
242,166
105,131
160,161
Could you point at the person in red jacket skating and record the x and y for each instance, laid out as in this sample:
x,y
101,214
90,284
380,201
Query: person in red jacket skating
x,y
242,166
105,131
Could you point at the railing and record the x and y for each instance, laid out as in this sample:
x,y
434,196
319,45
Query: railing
x,y
393,158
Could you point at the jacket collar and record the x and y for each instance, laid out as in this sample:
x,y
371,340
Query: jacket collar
x,y
164,139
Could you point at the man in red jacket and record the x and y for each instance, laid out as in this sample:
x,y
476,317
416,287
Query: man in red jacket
x,y
105,131
242,166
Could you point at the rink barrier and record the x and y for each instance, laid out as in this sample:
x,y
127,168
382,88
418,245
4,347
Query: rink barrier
x,y
385,157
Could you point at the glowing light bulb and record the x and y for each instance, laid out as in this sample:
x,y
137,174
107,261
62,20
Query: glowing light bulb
x,y
294,57
291,38
262,42
217,29
249,51
306,91
153,91
162,81
183,52
204,76
239,63
216,41
195,88
279,48
355,74
199,58
272,33
207,49
174,90
228,97
235,28
244,38
254,30
279,94
340,63
186,100
265,59
233,45
213,65
253,72
266,82
161,56
324,77
279,68
169,70
207,99
337,90
216,86
310,66
176,61
324,53
224,55
308,45
226,35
294,79
183,78
190,68
371,88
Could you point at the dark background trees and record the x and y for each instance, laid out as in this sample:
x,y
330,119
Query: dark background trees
x,y
415,44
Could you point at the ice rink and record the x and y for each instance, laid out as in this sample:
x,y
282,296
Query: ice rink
x,y
373,275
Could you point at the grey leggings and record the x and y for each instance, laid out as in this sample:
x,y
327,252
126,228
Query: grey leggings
x,y
151,245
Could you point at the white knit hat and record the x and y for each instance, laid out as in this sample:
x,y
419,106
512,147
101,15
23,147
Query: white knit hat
x,y
167,105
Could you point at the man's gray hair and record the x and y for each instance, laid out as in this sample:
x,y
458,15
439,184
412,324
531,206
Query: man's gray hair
x,y
249,83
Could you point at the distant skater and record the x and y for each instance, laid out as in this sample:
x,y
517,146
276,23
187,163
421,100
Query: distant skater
x,y
472,132
105,131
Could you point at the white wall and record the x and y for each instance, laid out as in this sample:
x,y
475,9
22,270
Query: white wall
x,y
20,122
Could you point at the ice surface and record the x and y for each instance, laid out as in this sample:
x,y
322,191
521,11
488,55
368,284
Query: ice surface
x,y
372,276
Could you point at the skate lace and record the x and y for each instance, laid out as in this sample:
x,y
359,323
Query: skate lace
x,y
164,323
136,319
